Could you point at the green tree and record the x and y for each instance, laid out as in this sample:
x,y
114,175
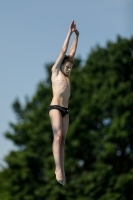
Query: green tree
x,y
99,144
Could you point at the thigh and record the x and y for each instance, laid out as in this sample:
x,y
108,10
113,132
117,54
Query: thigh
x,y
65,124
56,120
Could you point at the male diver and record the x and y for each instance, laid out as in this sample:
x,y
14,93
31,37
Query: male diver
x,y
58,110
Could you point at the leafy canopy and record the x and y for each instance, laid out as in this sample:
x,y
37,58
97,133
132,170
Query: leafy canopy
x,y
99,143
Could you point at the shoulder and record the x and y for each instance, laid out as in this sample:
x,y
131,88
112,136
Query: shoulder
x,y
56,74
55,69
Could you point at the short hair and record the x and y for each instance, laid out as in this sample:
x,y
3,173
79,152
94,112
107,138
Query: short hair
x,y
67,58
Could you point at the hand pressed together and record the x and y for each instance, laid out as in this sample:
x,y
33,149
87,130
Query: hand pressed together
x,y
72,28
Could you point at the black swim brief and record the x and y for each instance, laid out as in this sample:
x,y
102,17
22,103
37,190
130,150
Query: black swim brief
x,y
63,110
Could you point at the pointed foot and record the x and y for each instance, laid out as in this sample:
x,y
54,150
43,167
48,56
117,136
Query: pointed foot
x,y
60,181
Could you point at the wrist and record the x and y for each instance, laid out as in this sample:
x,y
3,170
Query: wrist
x,y
70,32
76,32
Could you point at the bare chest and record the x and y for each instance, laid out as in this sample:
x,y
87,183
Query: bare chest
x,y
61,82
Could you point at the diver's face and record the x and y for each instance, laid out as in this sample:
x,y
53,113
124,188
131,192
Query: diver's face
x,y
66,68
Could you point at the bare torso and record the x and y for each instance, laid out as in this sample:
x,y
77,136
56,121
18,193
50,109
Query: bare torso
x,y
61,89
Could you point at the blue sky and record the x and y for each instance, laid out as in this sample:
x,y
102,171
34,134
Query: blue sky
x,y
32,33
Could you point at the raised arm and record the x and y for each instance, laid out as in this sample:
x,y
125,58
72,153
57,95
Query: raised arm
x,y
74,44
56,66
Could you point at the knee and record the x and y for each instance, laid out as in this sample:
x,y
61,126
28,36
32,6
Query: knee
x,y
58,136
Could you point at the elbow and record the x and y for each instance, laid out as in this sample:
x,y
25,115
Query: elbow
x,y
64,50
72,54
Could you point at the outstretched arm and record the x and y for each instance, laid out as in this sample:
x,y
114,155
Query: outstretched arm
x,y
74,44
56,66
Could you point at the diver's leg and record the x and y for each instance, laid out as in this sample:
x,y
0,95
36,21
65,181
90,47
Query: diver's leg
x,y
65,124
56,122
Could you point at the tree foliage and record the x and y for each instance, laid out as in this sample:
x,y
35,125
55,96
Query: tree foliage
x,y
99,143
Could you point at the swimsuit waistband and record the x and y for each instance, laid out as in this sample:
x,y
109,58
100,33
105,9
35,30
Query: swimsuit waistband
x,y
60,106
